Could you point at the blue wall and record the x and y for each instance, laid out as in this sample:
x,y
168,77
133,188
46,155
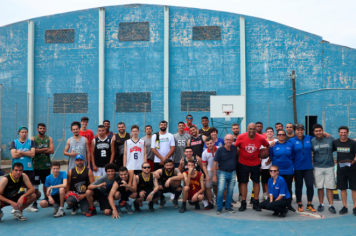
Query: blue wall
x,y
273,50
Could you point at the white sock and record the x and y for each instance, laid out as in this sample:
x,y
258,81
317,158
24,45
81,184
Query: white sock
x,y
205,202
131,201
172,196
60,208
322,204
224,200
330,205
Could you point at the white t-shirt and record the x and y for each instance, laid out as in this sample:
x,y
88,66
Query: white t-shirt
x,y
209,158
166,141
263,161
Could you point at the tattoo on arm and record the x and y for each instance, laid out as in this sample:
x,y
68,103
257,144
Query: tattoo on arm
x,y
155,182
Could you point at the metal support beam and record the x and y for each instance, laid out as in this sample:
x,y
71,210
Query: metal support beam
x,y
243,70
101,64
166,66
30,76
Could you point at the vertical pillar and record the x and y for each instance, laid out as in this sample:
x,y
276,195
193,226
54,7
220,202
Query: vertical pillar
x,y
166,66
243,70
101,64
30,76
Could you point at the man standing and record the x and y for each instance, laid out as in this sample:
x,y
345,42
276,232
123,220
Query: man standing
x,y
206,129
196,141
249,163
225,159
290,131
102,152
181,139
162,145
208,166
149,153
79,178
346,168
76,145
189,119
324,173
235,133
41,161
278,126
87,133
119,140
259,128
218,142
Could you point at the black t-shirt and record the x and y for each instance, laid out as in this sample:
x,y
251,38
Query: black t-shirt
x,y
345,150
287,137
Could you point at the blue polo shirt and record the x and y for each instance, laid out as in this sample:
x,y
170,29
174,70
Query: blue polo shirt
x,y
302,155
279,188
226,158
282,155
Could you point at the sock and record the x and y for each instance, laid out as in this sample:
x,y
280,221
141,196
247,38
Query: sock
x,y
131,201
177,194
322,204
205,203
172,196
224,200
60,208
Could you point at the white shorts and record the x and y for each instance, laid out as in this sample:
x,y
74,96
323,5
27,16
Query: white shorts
x,y
324,178
99,173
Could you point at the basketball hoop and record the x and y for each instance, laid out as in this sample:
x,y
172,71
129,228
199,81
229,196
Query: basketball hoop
x,y
227,115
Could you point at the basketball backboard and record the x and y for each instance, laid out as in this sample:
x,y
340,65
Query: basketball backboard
x,y
233,105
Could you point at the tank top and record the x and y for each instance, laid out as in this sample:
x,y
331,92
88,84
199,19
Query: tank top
x,y
41,161
79,148
119,147
145,184
102,151
12,187
194,184
135,154
110,135
197,167
165,176
79,182
25,161
197,144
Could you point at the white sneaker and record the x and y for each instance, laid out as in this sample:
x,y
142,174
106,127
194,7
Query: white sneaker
x,y
13,211
96,203
30,208
59,213
172,196
265,196
55,208
205,203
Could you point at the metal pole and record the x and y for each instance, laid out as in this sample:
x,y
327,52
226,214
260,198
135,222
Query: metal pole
x,y
28,108
15,120
294,98
308,120
348,120
268,115
113,113
145,116
48,117
64,128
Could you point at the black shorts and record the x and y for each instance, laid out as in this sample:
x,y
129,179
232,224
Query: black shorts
x,y
156,195
125,195
83,204
170,189
245,171
137,172
55,198
157,166
346,178
265,176
103,200
40,176
14,199
31,176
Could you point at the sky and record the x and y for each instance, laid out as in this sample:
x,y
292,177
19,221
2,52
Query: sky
x,y
333,20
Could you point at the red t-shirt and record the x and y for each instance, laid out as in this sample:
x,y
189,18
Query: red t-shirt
x,y
88,135
186,128
249,149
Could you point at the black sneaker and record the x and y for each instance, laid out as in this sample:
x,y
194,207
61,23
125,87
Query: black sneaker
x,y
284,213
209,207
137,207
256,205
243,206
291,209
183,208
161,203
332,210
354,211
276,213
75,209
343,211
197,206
150,207
175,203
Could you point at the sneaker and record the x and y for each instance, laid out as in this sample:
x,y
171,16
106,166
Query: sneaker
x,y
140,204
55,208
219,212
150,207
118,208
175,203
230,210
291,209
123,203
172,196
137,207
92,211
59,213
265,196
30,208
183,208
197,206
75,209
320,208
34,205
128,209
332,210
240,198
233,201
1,214
13,211
354,211
96,203
283,214
18,215
256,205
300,208
161,203
209,207
276,213
343,211
243,206
310,207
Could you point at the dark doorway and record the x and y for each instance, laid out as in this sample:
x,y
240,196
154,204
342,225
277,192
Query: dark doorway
x,y
312,121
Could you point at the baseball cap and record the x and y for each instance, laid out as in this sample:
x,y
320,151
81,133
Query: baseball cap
x,y
297,126
77,157
23,127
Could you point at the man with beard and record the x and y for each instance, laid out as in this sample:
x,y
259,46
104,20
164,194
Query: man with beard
x,y
196,141
149,153
108,133
41,161
79,179
259,128
163,145
122,190
206,129
181,140
289,130
76,145
147,188
169,180
119,140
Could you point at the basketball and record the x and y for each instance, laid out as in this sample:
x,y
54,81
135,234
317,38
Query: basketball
x,y
264,153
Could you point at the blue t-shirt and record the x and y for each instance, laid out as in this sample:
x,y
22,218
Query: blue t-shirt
x,y
279,188
282,155
51,181
226,159
218,144
302,155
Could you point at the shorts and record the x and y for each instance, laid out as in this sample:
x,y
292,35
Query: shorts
x,y
99,173
265,176
211,183
14,199
152,164
55,198
156,195
137,172
245,171
103,200
83,204
346,178
31,176
324,177
176,165
170,189
157,166
125,195
40,176
191,194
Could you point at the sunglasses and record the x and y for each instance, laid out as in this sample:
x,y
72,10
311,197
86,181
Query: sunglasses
x,y
146,167
273,170
189,118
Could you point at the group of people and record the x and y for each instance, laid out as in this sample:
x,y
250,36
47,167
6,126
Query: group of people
x,y
116,171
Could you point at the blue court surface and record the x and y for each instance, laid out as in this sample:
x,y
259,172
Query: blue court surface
x,y
169,221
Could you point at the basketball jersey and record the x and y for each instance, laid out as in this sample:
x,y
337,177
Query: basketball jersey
x,y
102,151
165,176
197,144
119,148
145,184
25,161
79,148
79,182
41,161
187,129
205,132
194,184
197,167
12,187
135,154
